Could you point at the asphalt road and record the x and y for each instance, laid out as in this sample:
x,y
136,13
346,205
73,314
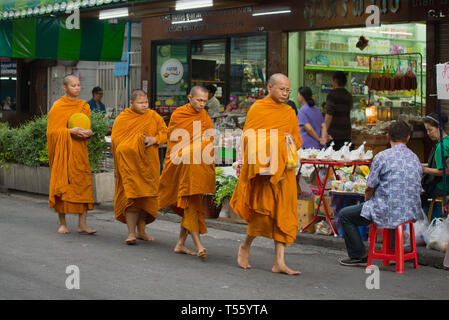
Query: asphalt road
x,y
34,260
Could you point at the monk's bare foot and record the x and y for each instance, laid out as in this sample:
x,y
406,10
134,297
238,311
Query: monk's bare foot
x,y
144,237
243,258
284,269
63,230
183,249
131,240
84,230
202,253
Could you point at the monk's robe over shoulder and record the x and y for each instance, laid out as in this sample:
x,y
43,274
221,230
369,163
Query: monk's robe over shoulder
x,y
190,134
266,193
71,178
137,168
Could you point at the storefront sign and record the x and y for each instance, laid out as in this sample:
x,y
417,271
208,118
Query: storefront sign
x,y
329,9
443,81
172,71
8,68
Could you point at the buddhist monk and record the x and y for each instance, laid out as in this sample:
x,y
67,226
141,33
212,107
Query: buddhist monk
x,y
189,168
71,178
266,193
136,136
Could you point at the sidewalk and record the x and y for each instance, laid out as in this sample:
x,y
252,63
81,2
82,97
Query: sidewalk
x,y
426,257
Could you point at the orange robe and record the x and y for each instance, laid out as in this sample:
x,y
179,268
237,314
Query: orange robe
x,y
137,168
71,177
269,202
183,184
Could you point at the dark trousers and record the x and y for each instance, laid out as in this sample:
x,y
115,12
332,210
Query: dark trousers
x,y
350,220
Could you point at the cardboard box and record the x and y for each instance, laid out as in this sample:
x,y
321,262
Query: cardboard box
x,y
321,212
305,215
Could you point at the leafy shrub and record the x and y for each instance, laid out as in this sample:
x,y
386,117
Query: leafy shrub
x,y
225,186
97,144
27,144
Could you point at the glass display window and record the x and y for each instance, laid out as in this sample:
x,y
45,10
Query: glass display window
x,y
328,51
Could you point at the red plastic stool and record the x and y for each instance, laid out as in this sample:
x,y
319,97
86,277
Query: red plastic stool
x,y
386,254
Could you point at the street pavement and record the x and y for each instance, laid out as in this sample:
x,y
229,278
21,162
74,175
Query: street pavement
x,y
34,260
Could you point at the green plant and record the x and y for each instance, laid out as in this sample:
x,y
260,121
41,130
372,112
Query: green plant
x,y
225,186
97,144
28,142
6,135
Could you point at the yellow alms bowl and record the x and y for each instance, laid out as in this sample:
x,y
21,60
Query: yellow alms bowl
x,y
79,120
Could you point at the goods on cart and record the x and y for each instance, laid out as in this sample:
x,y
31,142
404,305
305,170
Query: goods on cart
x,y
344,154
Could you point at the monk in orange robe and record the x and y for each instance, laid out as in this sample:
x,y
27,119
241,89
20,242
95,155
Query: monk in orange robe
x,y
266,193
189,168
136,136
71,178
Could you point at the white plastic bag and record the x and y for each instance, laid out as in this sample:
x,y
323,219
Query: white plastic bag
x,y
437,235
420,228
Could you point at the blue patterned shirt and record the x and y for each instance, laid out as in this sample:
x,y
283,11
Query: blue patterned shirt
x,y
396,177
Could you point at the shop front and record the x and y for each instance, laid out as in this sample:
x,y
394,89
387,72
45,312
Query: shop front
x,y
393,52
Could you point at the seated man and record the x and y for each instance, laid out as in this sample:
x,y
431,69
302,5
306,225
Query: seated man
x,y
392,197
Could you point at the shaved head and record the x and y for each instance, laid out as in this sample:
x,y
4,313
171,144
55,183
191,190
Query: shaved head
x,y
137,93
196,89
279,88
69,78
276,78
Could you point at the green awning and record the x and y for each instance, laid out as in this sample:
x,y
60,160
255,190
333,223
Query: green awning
x,y
15,9
49,38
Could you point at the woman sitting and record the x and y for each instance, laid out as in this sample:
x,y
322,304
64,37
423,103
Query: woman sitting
x,y
432,181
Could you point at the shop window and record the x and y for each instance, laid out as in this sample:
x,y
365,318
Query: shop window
x,y
209,66
171,77
247,72
8,81
328,51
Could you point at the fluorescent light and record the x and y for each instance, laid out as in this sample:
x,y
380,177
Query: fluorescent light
x,y
271,12
193,4
187,21
113,13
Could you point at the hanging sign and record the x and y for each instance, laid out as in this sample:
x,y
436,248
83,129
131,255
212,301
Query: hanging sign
x,y
443,81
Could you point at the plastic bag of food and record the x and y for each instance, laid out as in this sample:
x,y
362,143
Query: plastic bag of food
x,y
437,235
292,155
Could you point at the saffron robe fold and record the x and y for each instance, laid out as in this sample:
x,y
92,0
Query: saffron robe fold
x,y
71,188
189,167
137,168
266,193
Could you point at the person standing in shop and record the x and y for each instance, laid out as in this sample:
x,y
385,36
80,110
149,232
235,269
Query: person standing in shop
x,y
311,122
338,110
213,104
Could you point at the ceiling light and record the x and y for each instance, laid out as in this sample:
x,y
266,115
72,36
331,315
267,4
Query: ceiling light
x,y
187,21
271,12
193,4
113,13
